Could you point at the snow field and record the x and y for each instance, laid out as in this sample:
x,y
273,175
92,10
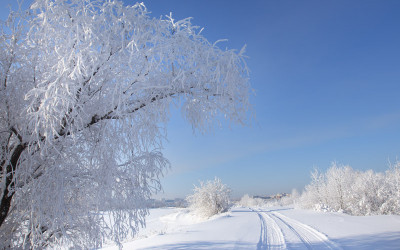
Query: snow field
x,y
352,232
266,228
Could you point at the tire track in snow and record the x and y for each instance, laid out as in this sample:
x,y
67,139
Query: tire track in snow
x,y
311,238
275,239
262,243
271,236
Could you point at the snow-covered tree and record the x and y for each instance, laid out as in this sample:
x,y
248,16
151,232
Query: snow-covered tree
x,y
391,190
314,193
356,192
210,198
329,191
339,179
366,197
86,88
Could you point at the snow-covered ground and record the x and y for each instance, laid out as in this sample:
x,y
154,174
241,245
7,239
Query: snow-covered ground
x,y
266,228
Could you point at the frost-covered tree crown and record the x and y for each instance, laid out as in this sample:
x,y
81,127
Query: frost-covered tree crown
x,y
85,89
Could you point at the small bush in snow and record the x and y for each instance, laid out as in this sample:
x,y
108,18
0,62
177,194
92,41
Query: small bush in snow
x,y
210,198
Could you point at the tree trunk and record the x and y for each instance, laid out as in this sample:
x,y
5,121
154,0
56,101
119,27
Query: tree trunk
x,y
7,196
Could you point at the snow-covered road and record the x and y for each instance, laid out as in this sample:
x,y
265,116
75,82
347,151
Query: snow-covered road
x,y
286,233
281,232
271,236
268,228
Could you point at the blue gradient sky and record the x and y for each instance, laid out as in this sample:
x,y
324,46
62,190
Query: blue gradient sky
x,y
326,76
327,82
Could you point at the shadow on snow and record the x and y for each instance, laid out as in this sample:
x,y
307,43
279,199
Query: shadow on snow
x,y
385,241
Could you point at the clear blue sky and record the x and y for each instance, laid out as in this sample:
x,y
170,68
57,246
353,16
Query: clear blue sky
x,y
327,80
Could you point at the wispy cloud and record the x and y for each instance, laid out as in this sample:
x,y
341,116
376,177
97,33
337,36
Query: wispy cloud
x,y
302,138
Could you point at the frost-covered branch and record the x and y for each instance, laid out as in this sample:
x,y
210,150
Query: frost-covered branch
x,y
86,88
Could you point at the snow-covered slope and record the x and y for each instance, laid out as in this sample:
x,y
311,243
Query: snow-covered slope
x,y
266,228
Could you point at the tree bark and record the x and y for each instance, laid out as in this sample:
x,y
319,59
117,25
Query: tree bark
x,y
7,196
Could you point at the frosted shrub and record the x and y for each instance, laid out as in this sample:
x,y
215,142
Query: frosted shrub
x,y
343,189
247,201
86,90
210,198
